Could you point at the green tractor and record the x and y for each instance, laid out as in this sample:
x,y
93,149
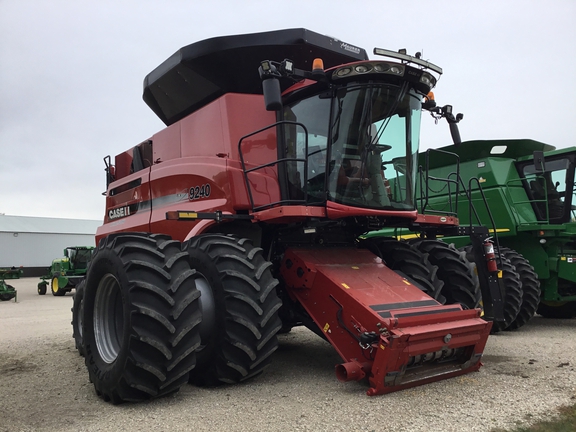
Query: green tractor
x,y
8,292
530,188
66,273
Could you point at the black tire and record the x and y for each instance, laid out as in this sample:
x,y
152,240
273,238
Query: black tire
x,y
239,309
565,310
512,297
407,260
512,290
530,288
141,317
8,295
42,288
77,317
57,290
460,286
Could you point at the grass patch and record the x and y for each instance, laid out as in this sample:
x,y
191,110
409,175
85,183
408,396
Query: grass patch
x,y
565,423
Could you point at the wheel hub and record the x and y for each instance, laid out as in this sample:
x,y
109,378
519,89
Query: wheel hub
x,y
108,318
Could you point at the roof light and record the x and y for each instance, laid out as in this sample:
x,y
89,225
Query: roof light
x,y
381,67
363,68
266,66
288,66
428,79
317,65
401,55
344,71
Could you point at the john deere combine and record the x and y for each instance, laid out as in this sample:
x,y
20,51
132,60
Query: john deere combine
x,y
530,189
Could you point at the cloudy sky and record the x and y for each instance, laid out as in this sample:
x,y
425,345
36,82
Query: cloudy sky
x,y
71,75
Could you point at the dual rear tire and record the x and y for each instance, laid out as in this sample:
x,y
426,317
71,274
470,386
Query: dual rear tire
x,y
530,297
239,309
141,317
154,314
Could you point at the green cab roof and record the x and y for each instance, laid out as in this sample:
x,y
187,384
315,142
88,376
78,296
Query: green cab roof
x,y
480,149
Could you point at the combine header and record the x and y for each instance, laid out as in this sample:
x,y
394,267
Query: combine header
x,y
241,219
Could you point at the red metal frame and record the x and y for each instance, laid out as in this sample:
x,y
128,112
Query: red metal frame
x,y
351,292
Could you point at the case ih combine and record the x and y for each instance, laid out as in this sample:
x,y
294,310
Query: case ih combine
x,y
241,219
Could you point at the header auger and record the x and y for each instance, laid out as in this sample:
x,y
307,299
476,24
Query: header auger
x,y
242,219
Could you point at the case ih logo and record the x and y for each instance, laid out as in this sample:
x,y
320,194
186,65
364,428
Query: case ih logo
x,y
350,48
119,213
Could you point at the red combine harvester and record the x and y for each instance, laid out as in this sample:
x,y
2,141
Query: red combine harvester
x,y
242,218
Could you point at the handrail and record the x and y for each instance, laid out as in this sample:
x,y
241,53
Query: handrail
x,y
276,162
532,201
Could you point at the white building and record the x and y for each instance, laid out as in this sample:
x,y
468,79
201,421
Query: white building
x,y
33,242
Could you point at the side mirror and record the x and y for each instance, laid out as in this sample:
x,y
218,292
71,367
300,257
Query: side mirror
x,y
272,94
446,112
539,162
453,124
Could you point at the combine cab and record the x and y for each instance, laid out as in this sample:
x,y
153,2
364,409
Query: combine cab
x,y
241,219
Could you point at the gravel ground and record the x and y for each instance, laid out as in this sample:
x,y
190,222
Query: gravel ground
x,y
527,375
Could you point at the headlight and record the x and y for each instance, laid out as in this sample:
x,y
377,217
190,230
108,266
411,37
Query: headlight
x,y
343,72
381,67
363,68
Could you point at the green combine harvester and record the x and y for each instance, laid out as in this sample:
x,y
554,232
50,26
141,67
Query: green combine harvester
x,y
529,187
8,292
66,273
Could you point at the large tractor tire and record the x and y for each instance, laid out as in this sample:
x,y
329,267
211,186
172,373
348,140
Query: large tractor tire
x,y
513,294
57,290
530,288
560,310
141,317
408,261
78,316
460,286
239,309
512,287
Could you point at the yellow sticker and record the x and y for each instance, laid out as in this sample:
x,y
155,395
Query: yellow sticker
x,y
326,327
188,215
345,286
499,274
563,258
355,268
382,347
